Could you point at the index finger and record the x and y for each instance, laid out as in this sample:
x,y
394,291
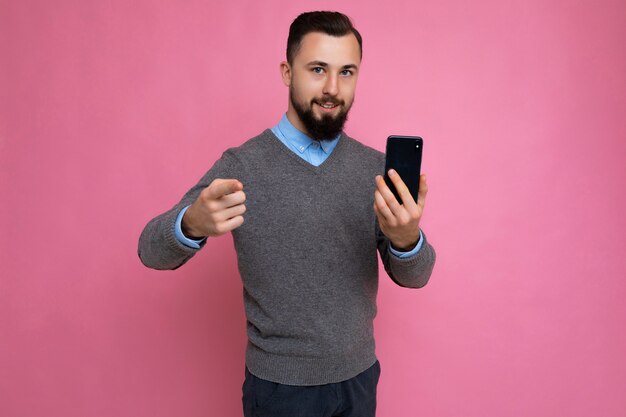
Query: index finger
x,y
220,187
421,195
401,188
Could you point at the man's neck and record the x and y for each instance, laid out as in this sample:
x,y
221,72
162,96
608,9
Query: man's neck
x,y
293,118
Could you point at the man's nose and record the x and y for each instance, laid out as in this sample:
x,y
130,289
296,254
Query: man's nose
x,y
331,87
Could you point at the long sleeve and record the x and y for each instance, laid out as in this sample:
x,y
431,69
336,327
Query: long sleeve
x,y
411,272
159,248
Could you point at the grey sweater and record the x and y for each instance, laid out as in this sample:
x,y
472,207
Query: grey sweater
x,y
307,256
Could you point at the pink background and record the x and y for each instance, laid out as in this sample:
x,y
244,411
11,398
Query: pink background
x,y
110,110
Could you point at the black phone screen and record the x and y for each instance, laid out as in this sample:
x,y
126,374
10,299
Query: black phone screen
x,y
404,154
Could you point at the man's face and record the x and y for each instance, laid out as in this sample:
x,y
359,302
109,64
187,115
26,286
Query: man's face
x,y
322,82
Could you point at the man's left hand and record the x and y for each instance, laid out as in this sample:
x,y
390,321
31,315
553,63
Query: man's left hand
x,y
399,222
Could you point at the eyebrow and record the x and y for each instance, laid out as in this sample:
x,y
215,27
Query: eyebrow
x,y
324,64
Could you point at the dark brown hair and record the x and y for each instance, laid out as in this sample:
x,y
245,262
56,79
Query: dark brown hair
x,y
330,23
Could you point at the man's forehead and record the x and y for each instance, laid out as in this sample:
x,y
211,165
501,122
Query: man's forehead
x,y
333,50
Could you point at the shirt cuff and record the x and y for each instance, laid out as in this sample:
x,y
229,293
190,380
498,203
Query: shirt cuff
x,y
409,253
178,230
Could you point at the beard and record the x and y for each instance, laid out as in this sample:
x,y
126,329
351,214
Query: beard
x,y
326,128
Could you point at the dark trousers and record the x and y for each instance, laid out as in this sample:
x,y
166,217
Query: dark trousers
x,y
355,397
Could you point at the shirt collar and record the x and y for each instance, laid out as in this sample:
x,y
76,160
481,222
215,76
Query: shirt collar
x,y
301,141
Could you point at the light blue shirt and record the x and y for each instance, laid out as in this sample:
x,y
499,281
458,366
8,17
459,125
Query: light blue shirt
x,y
312,151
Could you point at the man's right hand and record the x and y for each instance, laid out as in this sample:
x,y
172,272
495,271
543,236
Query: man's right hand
x,y
218,209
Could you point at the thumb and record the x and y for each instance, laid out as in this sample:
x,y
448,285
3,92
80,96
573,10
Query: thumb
x,y
221,187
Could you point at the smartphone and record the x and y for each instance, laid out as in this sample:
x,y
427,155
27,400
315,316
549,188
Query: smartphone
x,y
404,154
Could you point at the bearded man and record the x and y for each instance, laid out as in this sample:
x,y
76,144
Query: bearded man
x,y
309,211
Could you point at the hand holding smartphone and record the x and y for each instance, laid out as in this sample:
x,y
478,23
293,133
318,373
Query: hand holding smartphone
x,y
404,155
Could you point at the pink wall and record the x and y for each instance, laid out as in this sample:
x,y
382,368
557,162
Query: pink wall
x,y
110,110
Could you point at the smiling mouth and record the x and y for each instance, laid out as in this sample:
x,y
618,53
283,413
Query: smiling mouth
x,y
327,106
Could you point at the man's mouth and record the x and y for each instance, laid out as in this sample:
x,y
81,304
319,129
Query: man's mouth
x,y
327,107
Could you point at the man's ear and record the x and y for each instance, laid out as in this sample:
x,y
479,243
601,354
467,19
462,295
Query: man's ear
x,y
285,72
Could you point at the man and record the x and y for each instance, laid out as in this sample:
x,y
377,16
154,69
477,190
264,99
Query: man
x,y
307,229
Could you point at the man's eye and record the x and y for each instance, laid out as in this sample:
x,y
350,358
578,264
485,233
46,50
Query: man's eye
x,y
318,70
346,72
